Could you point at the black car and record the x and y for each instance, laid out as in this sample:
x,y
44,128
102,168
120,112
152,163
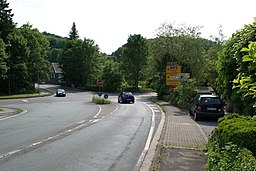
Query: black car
x,y
60,93
126,97
204,105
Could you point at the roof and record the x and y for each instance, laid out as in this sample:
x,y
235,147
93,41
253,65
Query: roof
x,y
56,68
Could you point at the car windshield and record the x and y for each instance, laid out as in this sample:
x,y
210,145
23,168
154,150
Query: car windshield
x,y
128,93
61,91
210,100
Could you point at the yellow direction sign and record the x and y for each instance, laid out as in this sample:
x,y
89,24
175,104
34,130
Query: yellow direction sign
x,y
172,74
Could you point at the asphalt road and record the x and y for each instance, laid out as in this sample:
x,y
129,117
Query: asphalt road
x,y
71,133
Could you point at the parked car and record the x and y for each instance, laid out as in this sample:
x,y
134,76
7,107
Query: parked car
x,y
205,105
126,97
60,93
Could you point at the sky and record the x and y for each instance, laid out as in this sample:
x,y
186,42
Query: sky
x,y
110,22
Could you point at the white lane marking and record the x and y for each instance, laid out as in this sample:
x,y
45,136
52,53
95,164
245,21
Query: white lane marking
x,y
81,124
150,135
26,101
97,114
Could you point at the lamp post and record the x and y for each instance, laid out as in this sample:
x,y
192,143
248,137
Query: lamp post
x,y
9,71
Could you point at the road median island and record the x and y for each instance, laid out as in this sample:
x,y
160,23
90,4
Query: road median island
x,y
6,112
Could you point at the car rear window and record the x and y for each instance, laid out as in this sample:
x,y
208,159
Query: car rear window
x,y
210,100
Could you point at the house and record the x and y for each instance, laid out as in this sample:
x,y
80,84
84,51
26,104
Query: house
x,y
56,74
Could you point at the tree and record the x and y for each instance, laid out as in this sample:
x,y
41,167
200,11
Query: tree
x,y
6,23
27,60
3,63
181,44
134,59
112,77
230,64
73,34
246,82
80,62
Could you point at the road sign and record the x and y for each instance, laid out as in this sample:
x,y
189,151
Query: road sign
x,y
172,71
100,82
172,82
172,88
184,74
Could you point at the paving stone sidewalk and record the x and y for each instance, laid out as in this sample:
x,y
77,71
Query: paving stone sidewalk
x,y
182,142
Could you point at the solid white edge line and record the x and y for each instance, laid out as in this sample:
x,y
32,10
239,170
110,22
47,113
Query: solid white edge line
x,y
150,135
97,114
147,162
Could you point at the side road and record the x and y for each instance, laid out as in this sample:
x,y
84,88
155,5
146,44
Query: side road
x,y
182,142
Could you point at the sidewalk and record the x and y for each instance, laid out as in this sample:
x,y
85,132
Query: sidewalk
x,y
182,142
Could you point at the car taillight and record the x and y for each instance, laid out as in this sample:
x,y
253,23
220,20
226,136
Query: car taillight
x,y
199,108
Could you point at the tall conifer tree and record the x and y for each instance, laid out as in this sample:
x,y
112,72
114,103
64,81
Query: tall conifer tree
x,y
6,23
73,34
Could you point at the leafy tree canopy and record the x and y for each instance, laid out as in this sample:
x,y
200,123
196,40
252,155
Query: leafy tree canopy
x,y
134,58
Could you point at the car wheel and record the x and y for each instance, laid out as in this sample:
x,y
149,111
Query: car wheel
x,y
196,117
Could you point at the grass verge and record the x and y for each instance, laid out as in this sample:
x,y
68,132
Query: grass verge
x,y
100,100
18,96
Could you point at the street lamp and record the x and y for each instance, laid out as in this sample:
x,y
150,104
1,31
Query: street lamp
x,y
9,71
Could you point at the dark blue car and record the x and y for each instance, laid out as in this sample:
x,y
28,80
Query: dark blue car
x,y
126,97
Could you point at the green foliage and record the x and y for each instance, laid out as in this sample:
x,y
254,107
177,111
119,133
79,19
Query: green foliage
x,y
57,43
6,23
112,77
27,60
134,59
73,34
3,58
230,64
183,94
81,62
246,81
240,130
227,148
183,45
230,157
100,100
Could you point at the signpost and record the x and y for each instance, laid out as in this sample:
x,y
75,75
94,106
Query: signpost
x,y
172,71
174,75
99,82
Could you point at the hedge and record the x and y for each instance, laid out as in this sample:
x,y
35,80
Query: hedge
x,y
240,130
230,146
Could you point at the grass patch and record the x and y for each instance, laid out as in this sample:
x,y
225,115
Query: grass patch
x,y
161,106
100,100
1,110
18,96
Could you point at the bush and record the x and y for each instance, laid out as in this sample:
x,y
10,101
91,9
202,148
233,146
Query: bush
x,y
183,93
240,130
230,146
230,157
100,100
